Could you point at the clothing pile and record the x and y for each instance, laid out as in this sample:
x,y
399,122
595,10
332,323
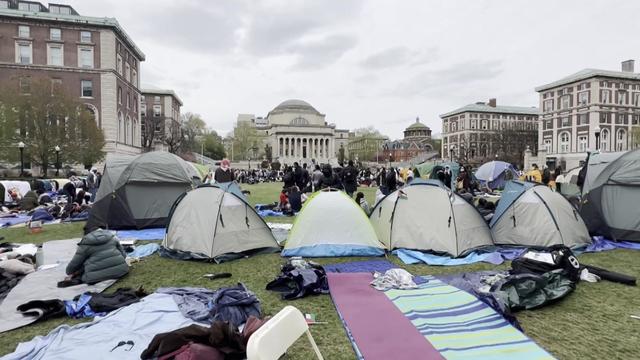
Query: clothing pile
x,y
16,261
299,278
85,305
393,279
234,304
222,340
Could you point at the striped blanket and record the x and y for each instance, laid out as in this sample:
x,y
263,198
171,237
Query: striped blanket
x,y
460,326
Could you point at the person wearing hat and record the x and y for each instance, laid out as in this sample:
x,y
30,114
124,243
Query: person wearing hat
x,y
223,174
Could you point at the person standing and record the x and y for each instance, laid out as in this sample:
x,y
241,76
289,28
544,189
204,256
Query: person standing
x,y
546,175
304,178
223,174
92,183
535,175
391,181
350,179
316,178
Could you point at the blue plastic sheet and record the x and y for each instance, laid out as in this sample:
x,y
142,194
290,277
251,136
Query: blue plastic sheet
x,y
144,250
599,244
14,220
496,257
144,234
264,213
81,308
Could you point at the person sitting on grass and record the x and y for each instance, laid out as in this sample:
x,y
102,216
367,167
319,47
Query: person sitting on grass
x,y
99,257
296,199
284,200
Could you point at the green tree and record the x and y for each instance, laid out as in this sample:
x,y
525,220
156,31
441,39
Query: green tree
x,y
43,117
212,145
193,128
366,143
245,138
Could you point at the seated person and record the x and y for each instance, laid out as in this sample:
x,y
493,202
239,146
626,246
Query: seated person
x,y
295,199
284,200
82,198
99,257
29,201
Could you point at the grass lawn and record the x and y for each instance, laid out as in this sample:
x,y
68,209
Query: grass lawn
x,y
592,323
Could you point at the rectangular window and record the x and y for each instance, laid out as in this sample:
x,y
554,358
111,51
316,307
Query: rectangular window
x,y
605,118
134,78
23,53
24,32
25,85
34,7
621,119
583,98
4,4
156,110
55,52
119,65
85,36
128,100
582,143
565,102
605,96
547,105
636,120
156,99
566,122
622,98
56,86
85,57
636,99
547,145
120,96
23,6
127,72
583,119
55,34
473,124
87,88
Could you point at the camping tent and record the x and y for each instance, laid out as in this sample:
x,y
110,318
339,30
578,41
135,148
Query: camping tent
x,y
6,185
597,163
568,183
140,194
425,169
455,171
496,173
427,216
210,222
332,224
532,215
611,197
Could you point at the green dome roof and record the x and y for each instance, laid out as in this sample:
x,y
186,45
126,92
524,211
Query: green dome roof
x,y
417,125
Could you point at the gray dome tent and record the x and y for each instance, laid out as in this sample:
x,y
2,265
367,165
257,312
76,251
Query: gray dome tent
x,y
532,215
427,216
137,193
611,197
215,223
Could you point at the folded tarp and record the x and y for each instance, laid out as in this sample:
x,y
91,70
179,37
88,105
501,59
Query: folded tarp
x,y
365,266
378,329
139,322
496,257
144,234
14,220
144,250
460,326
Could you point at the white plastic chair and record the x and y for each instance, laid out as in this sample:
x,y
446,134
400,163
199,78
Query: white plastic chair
x,y
273,338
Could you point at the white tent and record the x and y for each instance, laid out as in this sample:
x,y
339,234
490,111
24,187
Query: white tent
x,y
427,216
530,214
332,224
212,223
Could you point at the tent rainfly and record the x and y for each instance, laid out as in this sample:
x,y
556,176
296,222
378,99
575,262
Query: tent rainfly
x,y
137,193
332,224
214,223
611,195
532,215
427,216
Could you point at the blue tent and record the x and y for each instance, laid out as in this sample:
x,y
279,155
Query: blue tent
x,y
496,173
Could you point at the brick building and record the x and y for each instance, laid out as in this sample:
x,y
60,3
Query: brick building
x,y
160,114
90,58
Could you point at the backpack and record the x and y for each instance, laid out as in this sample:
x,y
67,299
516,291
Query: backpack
x,y
554,258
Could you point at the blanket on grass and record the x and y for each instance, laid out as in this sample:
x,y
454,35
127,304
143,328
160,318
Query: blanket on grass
x,y
460,326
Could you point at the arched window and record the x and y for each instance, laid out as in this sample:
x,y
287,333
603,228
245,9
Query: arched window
x,y
604,140
564,143
621,140
94,112
299,121
120,127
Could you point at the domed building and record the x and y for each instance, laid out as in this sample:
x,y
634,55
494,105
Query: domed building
x,y
296,131
417,141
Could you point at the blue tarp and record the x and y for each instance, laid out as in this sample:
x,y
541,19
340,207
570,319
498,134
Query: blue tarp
x,y
360,266
599,243
144,234
333,250
144,250
14,220
265,213
496,257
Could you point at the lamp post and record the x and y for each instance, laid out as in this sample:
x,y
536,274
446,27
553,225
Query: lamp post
x,y
57,148
21,146
597,132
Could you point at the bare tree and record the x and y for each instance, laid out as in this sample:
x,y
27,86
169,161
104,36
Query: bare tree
x,y
174,136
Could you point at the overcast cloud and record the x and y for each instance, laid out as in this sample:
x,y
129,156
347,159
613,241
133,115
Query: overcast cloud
x,y
368,62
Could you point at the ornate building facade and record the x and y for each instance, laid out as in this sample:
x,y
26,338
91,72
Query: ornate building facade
x,y
417,141
296,131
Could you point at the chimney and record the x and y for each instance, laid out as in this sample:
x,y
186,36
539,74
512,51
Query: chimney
x,y
492,102
627,66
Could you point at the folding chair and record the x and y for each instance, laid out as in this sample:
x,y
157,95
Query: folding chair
x,y
273,338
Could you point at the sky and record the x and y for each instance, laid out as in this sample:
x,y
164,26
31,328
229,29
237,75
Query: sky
x,y
368,62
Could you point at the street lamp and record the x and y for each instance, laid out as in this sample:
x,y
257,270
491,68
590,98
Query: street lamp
x,y
21,147
57,148
597,131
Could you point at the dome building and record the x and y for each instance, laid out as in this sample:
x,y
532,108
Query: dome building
x,y
417,141
296,131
